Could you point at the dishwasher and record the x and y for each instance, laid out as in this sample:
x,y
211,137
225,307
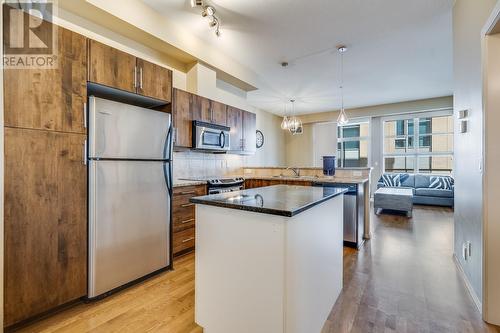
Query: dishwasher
x,y
353,213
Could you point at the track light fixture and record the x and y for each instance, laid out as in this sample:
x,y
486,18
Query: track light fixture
x,y
208,12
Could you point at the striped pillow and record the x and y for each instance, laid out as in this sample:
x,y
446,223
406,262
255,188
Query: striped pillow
x,y
441,183
391,180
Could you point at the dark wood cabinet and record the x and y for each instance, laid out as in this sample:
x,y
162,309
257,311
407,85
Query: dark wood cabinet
x,y
154,81
45,217
45,221
114,68
111,67
182,118
243,127
200,109
253,183
249,132
219,113
235,122
50,99
184,218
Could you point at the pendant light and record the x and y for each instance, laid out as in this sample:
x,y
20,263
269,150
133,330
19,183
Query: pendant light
x,y
342,119
295,124
285,123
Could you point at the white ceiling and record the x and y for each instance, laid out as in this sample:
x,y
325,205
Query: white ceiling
x,y
398,50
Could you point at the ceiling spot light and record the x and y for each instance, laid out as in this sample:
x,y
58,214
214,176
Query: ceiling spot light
x,y
208,12
195,3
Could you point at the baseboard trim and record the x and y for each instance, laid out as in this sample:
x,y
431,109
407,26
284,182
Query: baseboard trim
x,y
471,291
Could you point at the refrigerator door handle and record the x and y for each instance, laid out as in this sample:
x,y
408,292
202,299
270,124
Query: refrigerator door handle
x,y
167,148
167,173
84,152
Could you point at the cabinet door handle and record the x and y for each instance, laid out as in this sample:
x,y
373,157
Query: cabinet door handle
x,y
84,161
140,78
188,239
187,221
135,77
188,192
187,205
85,115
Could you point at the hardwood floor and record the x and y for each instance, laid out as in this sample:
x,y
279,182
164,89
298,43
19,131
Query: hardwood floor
x,y
403,280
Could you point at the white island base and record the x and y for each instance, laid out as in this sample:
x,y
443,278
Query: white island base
x,y
261,273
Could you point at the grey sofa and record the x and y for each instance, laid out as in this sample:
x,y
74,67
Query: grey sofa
x,y
422,193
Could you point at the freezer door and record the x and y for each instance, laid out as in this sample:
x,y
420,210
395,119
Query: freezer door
x,y
129,222
118,130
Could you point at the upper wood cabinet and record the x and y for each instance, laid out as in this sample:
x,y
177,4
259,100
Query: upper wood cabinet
x,y
243,126
219,113
154,81
50,99
249,132
45,221
235,122
111,67
182,118
200,109
114,68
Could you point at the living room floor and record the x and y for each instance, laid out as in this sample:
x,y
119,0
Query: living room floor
x,y
402,280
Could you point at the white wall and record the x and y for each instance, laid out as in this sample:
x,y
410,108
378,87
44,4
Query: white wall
x,y
469,16
299,148
324,142
491,191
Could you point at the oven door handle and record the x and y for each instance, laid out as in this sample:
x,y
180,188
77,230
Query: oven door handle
x,y
222,139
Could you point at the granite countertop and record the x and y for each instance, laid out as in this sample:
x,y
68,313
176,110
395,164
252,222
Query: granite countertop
x,y
325,179
180,183
283,200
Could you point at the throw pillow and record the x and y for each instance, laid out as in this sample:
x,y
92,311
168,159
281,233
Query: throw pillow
x,y
391,180
441,183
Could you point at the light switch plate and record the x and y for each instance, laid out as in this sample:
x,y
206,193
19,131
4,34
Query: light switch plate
x,y
462,114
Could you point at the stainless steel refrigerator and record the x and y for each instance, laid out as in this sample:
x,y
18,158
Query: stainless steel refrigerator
x,y
130,191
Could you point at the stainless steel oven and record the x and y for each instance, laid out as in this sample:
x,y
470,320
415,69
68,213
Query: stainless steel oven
x,y
223,185
210,137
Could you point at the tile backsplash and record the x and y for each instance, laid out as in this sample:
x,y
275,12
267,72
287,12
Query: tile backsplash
x,y
191,164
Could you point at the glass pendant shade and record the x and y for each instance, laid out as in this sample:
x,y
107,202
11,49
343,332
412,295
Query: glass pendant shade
x,y
285,123
295,126
342,119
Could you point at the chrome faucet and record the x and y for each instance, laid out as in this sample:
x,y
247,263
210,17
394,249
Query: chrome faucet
x,y
296,171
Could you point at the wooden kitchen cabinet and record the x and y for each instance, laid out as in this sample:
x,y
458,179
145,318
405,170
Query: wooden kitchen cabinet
x,y
200,109
235,122
243,130
50,99
182,118
184,218
249,132
45,221
111,67
154,81
219,113
114,68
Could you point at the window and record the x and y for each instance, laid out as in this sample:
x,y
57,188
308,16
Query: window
x,y
419,145
352,145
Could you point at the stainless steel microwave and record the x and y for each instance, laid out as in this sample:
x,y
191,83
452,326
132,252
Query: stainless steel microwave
x,y
212,137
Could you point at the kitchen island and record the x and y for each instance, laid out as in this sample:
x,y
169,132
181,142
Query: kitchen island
x,y
268,259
